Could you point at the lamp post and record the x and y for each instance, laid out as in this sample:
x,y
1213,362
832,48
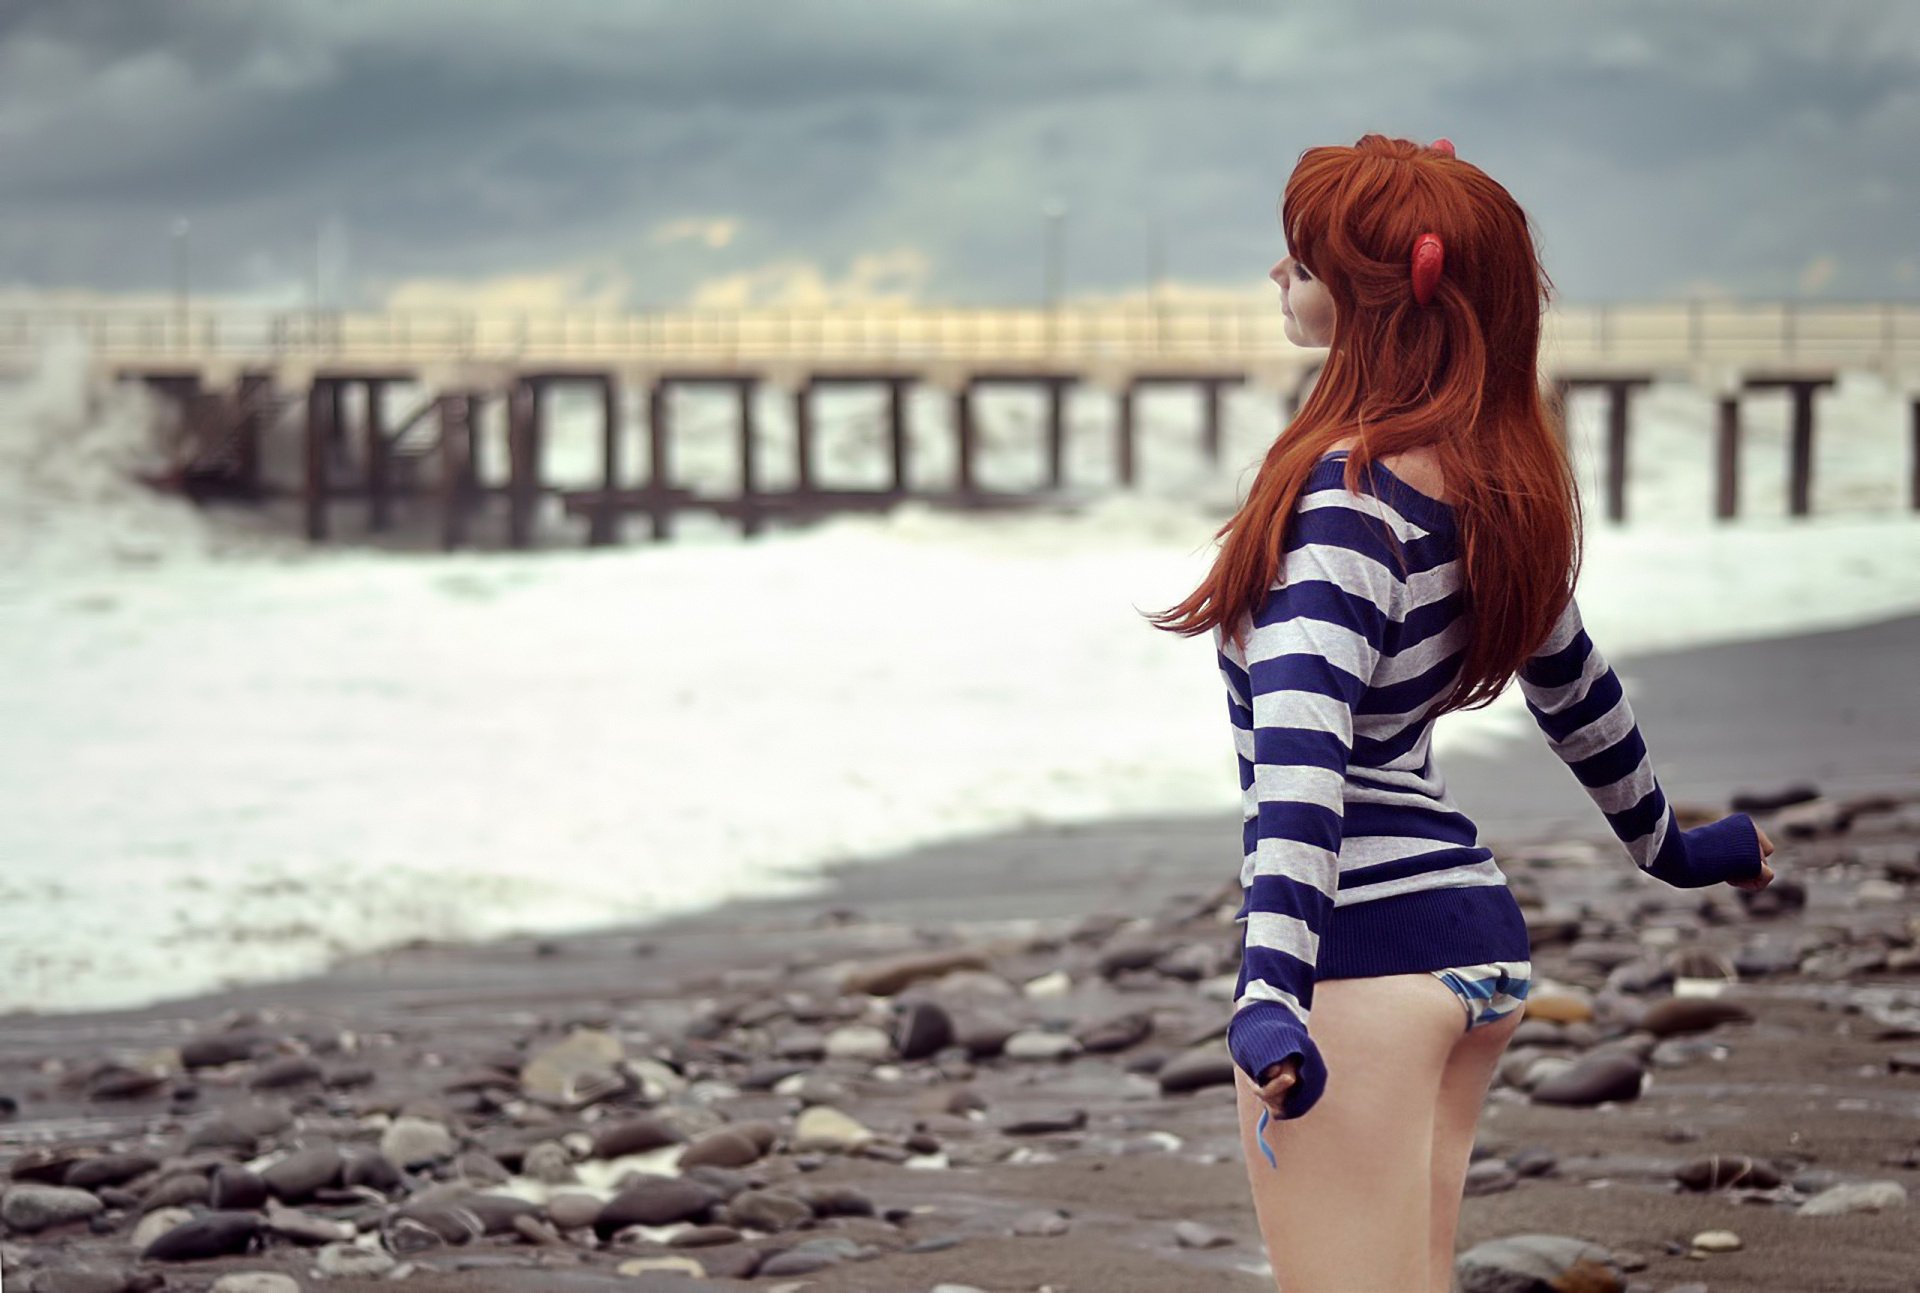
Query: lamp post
x,y
1055,212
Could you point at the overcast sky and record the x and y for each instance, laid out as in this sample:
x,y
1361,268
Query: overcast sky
x,y
641,152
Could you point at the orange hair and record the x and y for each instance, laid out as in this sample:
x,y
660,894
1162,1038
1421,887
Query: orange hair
x,y
1459,374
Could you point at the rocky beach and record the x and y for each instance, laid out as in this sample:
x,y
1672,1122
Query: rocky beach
x,y
998,1063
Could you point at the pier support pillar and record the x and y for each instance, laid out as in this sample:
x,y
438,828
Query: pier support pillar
x,y
379,459
456,414
751,521
964,431
323,412
659,468
1056,433
523,461
897,434
1726,503
803,438
1802,388
603,527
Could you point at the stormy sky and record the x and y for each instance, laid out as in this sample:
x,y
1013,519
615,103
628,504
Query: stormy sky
x,y
636,153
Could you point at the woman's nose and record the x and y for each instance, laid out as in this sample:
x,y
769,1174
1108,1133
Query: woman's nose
x,y
1279,270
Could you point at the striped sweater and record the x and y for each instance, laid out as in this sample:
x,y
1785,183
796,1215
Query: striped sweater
x,y
1357,861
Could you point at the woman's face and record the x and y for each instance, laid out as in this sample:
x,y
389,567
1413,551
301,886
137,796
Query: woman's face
x,y
1305,303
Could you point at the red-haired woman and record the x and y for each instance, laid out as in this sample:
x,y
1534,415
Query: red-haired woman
x,y
1409,545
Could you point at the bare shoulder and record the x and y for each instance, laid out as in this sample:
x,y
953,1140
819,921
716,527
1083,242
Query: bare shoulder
x,y
1415,466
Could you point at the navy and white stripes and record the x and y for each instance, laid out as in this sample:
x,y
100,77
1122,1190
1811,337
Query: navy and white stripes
x,y
1356,860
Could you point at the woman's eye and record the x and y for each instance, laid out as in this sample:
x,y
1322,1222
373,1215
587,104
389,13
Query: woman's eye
x,y
1302,271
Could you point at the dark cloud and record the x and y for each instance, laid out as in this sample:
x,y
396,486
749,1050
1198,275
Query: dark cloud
x,y
1657,145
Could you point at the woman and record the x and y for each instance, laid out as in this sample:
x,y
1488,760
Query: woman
x,y
1409,545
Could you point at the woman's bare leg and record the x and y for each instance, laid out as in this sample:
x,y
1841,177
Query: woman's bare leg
x,y
1349,1204
1463,1091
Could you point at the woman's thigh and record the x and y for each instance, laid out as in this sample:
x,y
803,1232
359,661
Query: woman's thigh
x,y
1348,1202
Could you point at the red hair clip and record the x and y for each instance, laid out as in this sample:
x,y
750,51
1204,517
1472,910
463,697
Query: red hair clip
x,y
1429,254
1442,146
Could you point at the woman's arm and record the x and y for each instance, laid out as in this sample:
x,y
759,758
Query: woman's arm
x,y
1310,654
1577,700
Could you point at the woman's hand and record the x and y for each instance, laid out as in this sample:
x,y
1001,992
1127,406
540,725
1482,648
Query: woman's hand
x,y
1277,1081
1765,877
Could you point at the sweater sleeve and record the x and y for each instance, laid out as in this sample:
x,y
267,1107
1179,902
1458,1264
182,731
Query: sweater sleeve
x,y
1577,700
1310,651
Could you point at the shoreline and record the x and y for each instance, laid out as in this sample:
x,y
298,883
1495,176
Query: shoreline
x,y
1838,708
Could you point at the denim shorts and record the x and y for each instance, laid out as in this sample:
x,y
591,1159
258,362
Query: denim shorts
x,y
1490,990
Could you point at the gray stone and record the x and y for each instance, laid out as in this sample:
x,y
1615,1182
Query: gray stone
x,y
416,1142
768,1210
1594,1079
1041,1222
635,1136
255,1282
1859,1196
655,1201
338,1261
1037,1045
1192,1070
1191,1234
303,1173
217,1234
32,1208
1536,1264
108,1169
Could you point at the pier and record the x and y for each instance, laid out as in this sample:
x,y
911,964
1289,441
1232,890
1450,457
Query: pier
x,y
236,377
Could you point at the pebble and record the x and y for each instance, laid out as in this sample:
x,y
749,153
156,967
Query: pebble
x,y
1041,1222
1119,1033
416,1142
1055,983
1536,1261
574,1211
1594,1079
655,1201
217,1234
1041,1046
884,978
32,1208
342,1260
255,1282
1859,1196
1191,1234
576,1072
635,1136
157,1223
1720,1172
79,1279
859,1042
1196,1069
825,1128
924,1028
768,1210
1489,1176
1559,1008
303,1173
108,1169
1717,1241
1680,1015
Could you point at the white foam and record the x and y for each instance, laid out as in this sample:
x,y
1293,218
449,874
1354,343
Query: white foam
x,y
227,764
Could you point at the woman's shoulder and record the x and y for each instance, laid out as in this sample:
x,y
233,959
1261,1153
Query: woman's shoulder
x,y
1417,467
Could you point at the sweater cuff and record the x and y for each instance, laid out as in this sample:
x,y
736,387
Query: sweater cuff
x,y
1262,1034
1728,849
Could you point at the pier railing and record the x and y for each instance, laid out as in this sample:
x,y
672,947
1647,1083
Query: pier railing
x,y
1880,336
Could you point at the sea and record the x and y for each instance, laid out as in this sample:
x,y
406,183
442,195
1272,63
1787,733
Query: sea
x,y
228,756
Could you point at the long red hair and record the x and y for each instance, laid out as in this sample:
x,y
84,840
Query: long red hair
x,y
1459,374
